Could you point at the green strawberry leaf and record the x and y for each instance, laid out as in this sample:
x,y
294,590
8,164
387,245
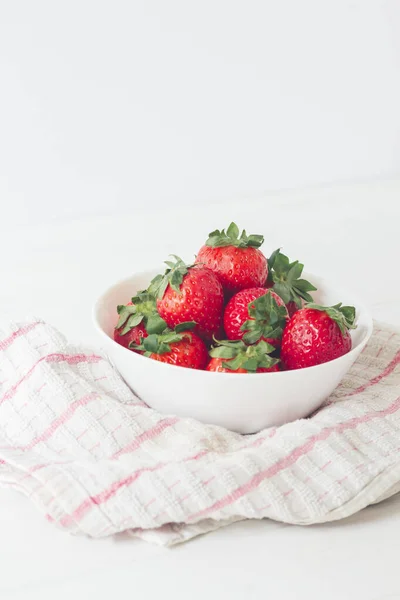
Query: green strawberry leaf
x,y
235,363
251,364
185,326
124,313
285,277
253,333
176,278
222,352
264,347
240,356
254,241
151,343
267,319
349,313
283,290
173,276
170,338
233,231
154,286
160,343
228,343
219,239
294,272
155,324
143,309
304,285
272,258
133,321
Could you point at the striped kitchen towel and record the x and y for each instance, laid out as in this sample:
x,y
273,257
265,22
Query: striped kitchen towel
x,y
95,460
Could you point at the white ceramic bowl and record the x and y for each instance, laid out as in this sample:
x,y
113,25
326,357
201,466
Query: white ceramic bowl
x,y
245,403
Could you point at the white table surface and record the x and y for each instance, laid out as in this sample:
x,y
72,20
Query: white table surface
x,y
55,270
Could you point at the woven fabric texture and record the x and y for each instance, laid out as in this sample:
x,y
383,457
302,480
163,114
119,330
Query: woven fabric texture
x,y
96,461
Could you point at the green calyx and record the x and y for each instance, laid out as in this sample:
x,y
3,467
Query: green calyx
x,y
219,239
161,343
173,276
344,316
285,277
143,310
268,319
241,356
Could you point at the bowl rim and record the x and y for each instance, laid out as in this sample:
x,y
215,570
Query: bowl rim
x,y
360,308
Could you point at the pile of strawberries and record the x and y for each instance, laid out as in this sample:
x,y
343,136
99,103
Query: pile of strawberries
x,y
234,311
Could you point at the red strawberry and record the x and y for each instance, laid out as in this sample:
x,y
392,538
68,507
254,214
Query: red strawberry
x,y
254,314
284,278
180,347
133,335
137,319
317,334
236,260
189,293
236,357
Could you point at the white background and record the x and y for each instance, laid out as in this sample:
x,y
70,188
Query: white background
x,y
112,106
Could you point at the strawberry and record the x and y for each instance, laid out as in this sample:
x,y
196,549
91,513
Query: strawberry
x,y
180,347
189,293
236,357
236,260
137,319
317,334
284,278
132,335
254,314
